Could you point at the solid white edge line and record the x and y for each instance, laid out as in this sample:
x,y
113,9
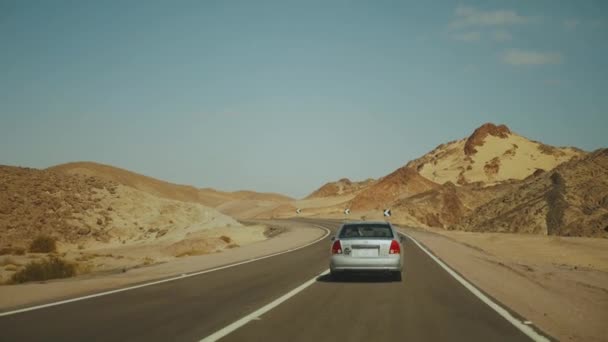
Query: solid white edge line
x,y
261,311
527,330
179,277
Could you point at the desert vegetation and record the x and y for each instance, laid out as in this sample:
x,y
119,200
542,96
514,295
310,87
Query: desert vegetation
x,y
43,244
50,268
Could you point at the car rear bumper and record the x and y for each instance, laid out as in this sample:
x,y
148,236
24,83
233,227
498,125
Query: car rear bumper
x,y
348,263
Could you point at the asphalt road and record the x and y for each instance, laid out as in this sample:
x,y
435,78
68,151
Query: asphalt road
x,y
427,305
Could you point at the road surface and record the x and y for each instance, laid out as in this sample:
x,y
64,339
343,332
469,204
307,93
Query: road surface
x,y
427,305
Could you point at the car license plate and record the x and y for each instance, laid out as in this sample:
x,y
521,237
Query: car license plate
x,y
365,252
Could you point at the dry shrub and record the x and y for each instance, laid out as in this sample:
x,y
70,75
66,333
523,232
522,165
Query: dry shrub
x,y
43,244
225,238
12,251
51,268
183,254
192,252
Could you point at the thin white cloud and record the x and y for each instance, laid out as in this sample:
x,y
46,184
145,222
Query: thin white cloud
x,y
468,37
466,16
519,57
571,24
501,36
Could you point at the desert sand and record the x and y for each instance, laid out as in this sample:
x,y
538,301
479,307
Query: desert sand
x,y
558,283
292,235
105,218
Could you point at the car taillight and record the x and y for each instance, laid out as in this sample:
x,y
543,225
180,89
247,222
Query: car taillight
x,y
395,249
336,248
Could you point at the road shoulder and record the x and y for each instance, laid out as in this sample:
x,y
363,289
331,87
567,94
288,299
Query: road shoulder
x,y
295,234
567,302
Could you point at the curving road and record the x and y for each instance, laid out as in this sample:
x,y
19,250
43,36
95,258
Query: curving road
x,y
428,305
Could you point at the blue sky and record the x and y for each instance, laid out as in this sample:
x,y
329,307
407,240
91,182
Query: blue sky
x,y
285,95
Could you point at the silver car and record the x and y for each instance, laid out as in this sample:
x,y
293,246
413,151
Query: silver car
x,y
366,246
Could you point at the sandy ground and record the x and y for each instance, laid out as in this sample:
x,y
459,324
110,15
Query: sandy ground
x,y
293,235
558,283
140,229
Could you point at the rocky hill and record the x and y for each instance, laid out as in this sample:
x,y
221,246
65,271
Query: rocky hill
x,y
447,204
241,204
493,180
341,187
403,182
492,154
84,210
147,184
571,200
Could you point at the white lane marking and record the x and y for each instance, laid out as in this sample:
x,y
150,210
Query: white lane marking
x,y
259,312
182,276
526,329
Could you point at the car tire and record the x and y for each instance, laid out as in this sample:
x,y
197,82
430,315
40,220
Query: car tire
x,y
396,276
337,276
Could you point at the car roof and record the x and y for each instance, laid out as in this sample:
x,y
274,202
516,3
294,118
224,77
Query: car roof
x,y
366,222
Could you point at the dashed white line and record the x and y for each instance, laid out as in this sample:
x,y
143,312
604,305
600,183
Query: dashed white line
x,y
259,312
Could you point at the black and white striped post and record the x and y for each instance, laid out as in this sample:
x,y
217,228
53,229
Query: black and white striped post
x,y
387,213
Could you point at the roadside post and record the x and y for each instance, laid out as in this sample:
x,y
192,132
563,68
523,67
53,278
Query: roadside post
x,y
387,214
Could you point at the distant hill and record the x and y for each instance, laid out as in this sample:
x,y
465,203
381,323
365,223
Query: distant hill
x,y
207,197
493,180
82,209
401,183
341,187
491,154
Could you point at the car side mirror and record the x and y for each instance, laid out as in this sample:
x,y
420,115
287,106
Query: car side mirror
x,y
333,238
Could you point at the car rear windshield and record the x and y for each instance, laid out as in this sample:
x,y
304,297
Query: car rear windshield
x,y
362,231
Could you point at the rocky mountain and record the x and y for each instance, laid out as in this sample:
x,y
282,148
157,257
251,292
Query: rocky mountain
x,y
80,209
491,154
447,204
493,180
341,187
571,200
403,182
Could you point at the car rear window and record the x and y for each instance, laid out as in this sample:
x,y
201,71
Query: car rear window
x,y
362,231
